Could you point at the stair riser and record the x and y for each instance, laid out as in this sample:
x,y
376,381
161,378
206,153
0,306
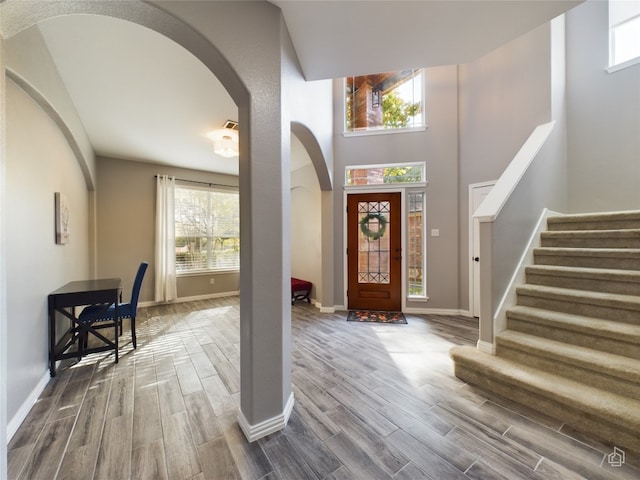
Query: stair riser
x,y
619,347
626,438
618,314
555,226
553,242
618,263
583,283
565,369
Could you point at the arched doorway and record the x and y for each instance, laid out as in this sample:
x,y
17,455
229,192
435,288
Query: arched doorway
x,y
266,398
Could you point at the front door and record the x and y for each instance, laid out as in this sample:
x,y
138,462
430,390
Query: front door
x,y
374,251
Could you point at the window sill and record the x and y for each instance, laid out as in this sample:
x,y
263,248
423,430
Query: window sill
x,y
384,131
417,298
200,273
623,65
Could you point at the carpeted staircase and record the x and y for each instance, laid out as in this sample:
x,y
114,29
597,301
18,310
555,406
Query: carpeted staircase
x,y
572,344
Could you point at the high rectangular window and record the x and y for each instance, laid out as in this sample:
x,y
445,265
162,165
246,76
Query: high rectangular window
x,y
624,33
385,174
384,102
207,230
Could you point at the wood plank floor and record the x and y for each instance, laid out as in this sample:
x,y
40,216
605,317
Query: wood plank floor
x,y
373,401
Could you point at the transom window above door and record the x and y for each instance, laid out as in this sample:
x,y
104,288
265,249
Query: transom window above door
x,y
385,174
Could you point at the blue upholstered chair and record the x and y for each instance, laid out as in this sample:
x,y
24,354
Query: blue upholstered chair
x,y
97,313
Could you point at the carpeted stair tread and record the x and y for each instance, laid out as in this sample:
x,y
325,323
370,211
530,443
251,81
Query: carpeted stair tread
x,y
572,344
599,216
628,302
605,280
626,233
613,274
608,407
627,238
602,221
610,364
588,252
627,332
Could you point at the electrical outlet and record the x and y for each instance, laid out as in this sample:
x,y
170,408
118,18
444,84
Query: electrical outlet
x,y
435,232
212,281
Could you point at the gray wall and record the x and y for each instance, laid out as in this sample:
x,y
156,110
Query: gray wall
x,y
603,118
306,212
503,97
36,265
126,192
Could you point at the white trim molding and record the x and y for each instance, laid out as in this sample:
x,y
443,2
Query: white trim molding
x,y
25,408
327,309
519,277
266,427
486,347
436,311
191,299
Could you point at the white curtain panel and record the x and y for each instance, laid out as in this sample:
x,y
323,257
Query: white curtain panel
x,y
165,240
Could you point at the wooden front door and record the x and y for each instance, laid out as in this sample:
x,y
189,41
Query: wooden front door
x,y
374,252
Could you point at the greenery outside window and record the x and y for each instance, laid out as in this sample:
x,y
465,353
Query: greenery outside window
x,y
416,245
624,33
384,102
207,225
385,174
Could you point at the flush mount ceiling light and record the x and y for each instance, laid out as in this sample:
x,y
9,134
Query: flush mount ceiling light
x,y
225,140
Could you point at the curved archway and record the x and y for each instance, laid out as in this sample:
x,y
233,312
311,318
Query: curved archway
x,y
266,397
18,16
319,162
310,143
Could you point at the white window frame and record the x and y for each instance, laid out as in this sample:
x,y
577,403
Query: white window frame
x,y
423,181
208,271
621,14
385,131
423,296
403,189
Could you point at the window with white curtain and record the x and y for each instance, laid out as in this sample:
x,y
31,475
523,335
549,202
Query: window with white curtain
x,y
207,223
624,33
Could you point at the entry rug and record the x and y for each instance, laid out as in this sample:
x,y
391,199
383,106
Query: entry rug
x,y
376,316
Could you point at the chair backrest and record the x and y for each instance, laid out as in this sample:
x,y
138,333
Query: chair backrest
x,y
137,283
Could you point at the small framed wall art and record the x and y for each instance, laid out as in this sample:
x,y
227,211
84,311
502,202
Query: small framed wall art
x,y
62,218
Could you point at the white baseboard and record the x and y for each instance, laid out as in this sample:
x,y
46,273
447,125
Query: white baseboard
x,y
437,311
487,347
266,427
207,296
326,309
27,405
510,297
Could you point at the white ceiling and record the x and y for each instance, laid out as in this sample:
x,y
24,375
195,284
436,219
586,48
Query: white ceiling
x,y
143,97
335,39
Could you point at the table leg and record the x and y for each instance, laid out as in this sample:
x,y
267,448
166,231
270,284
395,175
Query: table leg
x,y
116,320
52,338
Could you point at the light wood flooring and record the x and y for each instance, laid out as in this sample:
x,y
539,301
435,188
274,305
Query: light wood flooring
x,y
373,401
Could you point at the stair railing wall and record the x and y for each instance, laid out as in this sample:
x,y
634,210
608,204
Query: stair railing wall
x,y
510,218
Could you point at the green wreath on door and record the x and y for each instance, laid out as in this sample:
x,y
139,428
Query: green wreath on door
x,y
382,226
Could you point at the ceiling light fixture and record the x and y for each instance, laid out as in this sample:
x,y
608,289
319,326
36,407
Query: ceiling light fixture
x,y
225,140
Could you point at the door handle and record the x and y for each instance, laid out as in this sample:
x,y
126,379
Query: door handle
x,y
476,259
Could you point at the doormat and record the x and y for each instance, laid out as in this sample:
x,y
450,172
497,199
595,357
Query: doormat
x,y
376,316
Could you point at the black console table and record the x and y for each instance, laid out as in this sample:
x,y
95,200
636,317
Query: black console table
x,y
76,294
